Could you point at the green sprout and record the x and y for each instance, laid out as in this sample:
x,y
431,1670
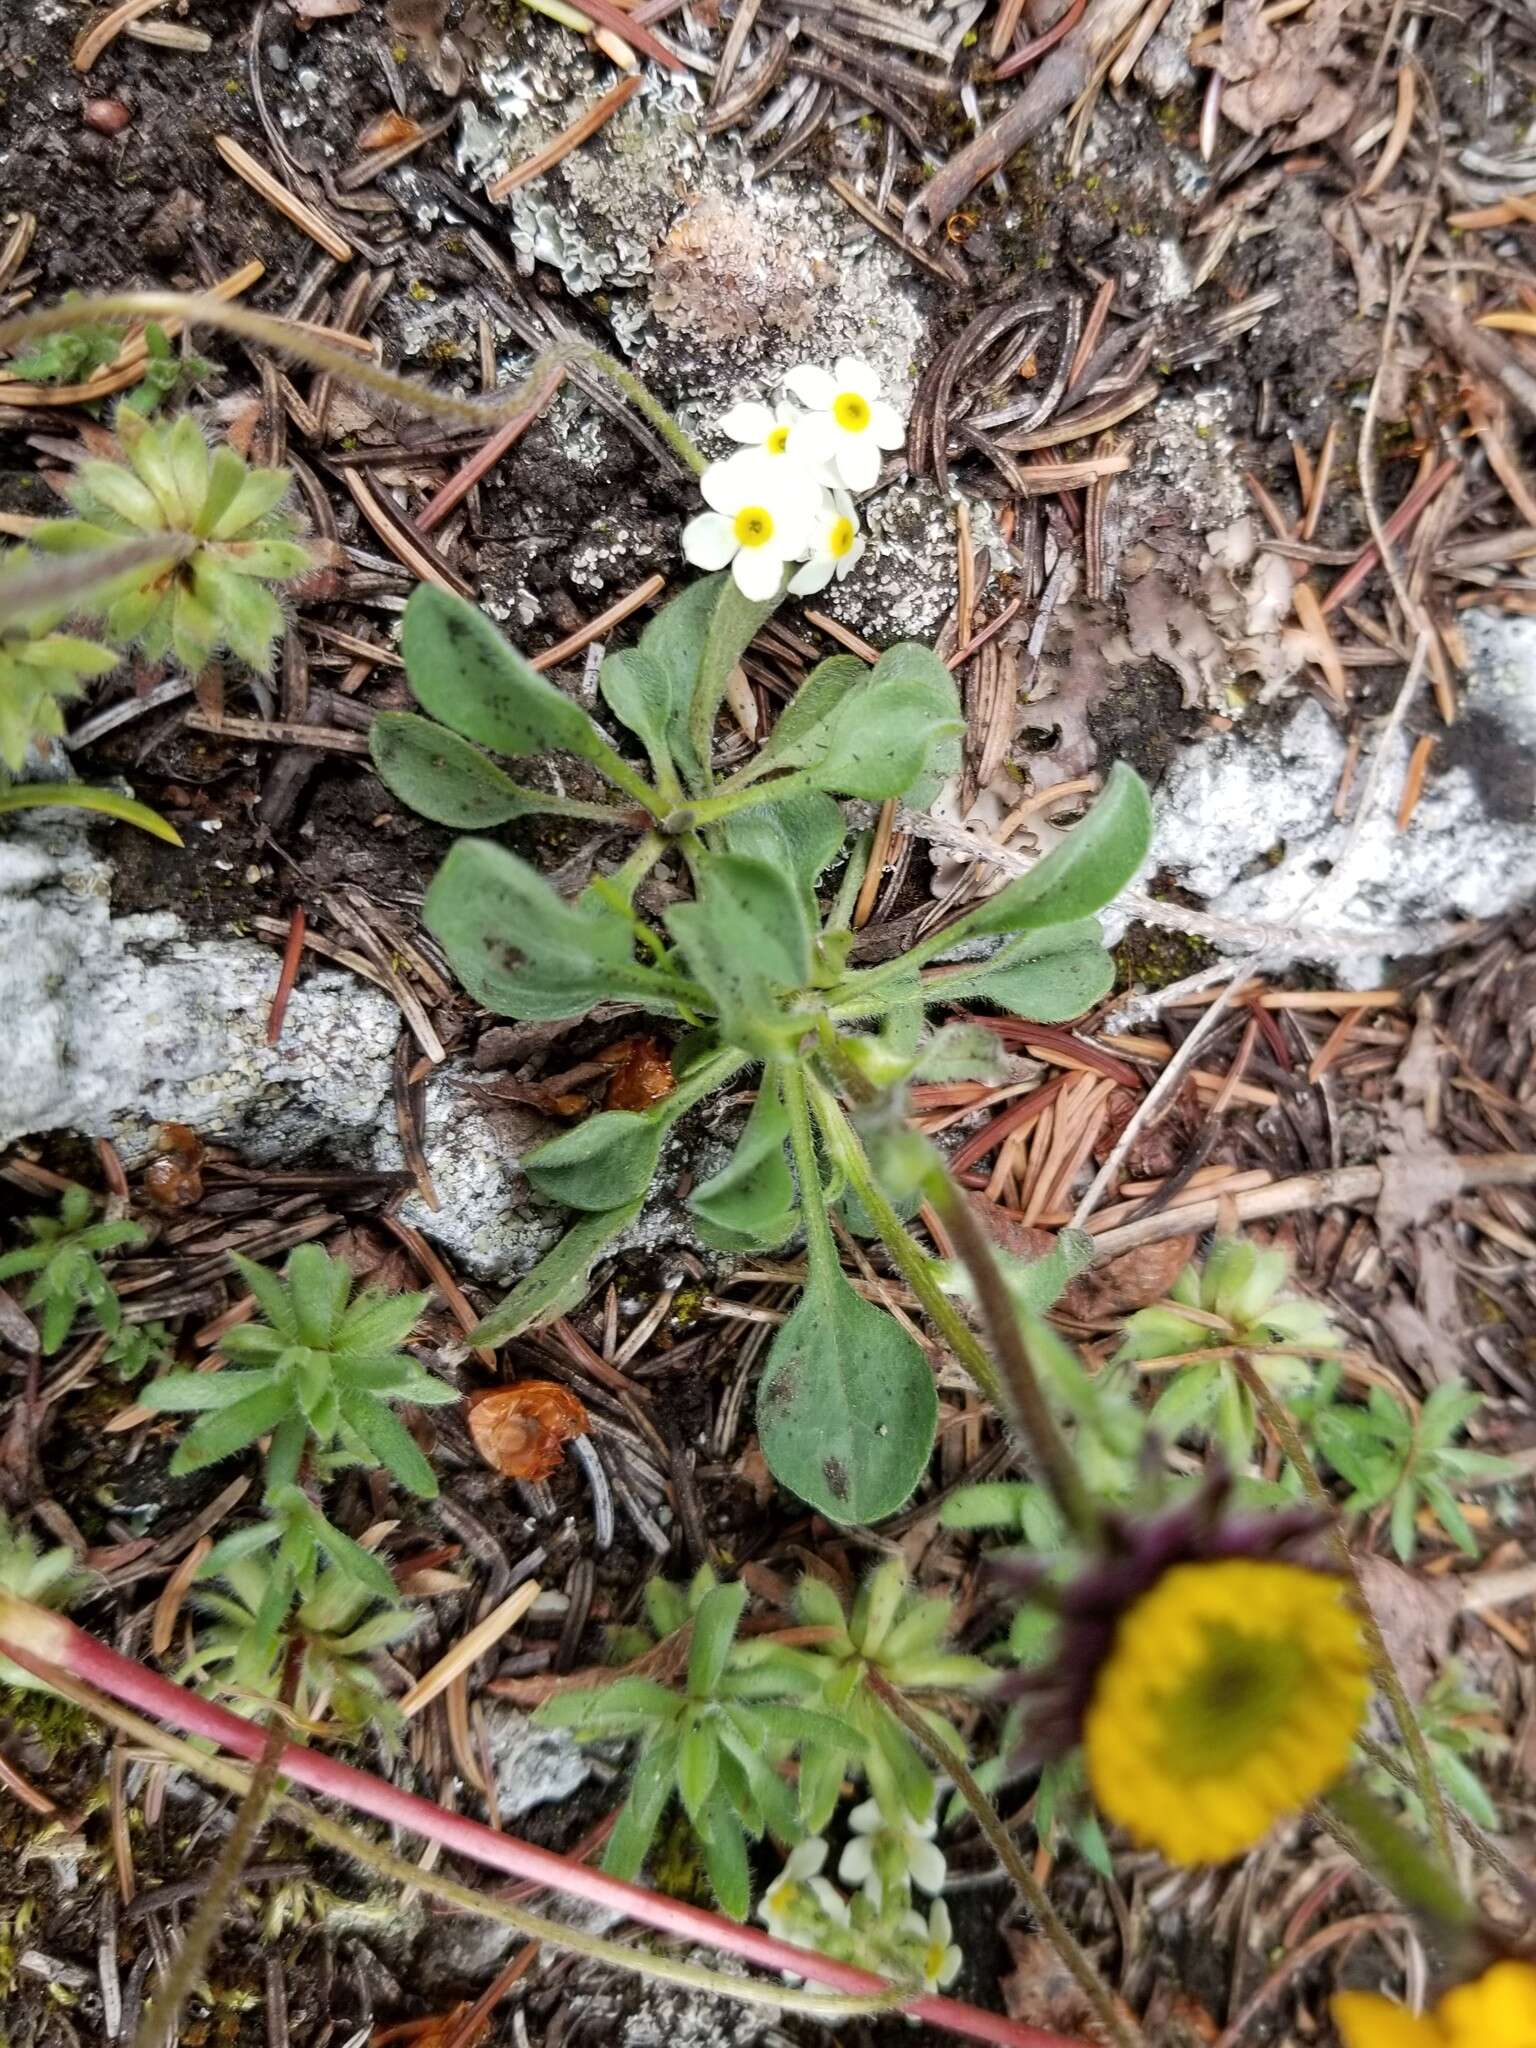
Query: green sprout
x,y
1238,1307
227,539
316,1373
139,1348
64,1261
1392,1460
70,356
893,1637
1461,1728
715,1744
48,1578
760,975
40,670
244,1650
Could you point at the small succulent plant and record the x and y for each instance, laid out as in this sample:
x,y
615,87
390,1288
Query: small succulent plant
x,y
228,540
40,670
316,1372
63,1260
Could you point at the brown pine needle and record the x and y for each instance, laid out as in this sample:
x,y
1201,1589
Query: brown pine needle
x,y
1413,784
570,138
94,38
278,196
1324,652
1397,138
604,623
484,1636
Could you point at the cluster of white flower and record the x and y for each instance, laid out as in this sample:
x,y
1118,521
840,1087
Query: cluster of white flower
x,y
879,1927
783,497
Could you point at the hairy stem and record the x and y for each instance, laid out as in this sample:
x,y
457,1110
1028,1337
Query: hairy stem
x,y
820,1245
644,400
1383,1669
1123,2032
1030,1411
913,1264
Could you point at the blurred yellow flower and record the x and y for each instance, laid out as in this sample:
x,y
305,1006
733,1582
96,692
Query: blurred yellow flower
x,y
1496,2010
1232,1694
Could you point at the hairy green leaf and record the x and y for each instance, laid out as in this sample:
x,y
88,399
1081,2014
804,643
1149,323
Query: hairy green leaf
x,y
1088,870
463,672
446,779
559,1280
602,1162
751,1205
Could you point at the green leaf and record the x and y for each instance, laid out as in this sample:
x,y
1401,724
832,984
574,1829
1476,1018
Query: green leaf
x,y
1448,1513
725,1857
880,737
798,737
272,1297
1088,870
465,674
78,796
1049,977
754,913
453,783
698,1768
714,1630
558,1281
390,1442
639,691
228,1430
1404,1535
1465,1788
189,1393
608,1159
522,950
650,1787
673,643
798,837
318,1286
751,1205
1187,1401
377,1322
846,1409
599,1708
733,623
821,1780
351,1558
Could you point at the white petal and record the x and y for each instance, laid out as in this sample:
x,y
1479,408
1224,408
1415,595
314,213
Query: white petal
x,y
751,422
805,1859
812,386
858,461
835,1907
720,486
758,573
925,1860
794,499
816,575
842,508
865,1818
851,560
886,425
858,1858
939,1925
709,541
854,374
812,439
785,414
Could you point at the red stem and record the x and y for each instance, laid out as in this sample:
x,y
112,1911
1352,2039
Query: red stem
x,y
70,1649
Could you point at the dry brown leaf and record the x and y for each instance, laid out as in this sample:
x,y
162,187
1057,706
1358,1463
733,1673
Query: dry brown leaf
x,y
1134,1280
521,1430
1279,76
642,1072
1415,1615
388,128
1040,1991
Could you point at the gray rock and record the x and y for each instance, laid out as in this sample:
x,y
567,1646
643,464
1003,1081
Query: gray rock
x,y
117,1024
533,1765
1247,821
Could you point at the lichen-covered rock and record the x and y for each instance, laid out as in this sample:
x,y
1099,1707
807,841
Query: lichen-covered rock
x,y
116,1024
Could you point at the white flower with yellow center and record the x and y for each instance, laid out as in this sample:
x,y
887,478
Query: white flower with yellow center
x,y
919,1855
835,548
762,516
941,1955
764,430
848,422
800,1896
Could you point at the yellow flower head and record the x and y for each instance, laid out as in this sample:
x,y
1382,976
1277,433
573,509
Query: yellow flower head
x,y
1496,2010
1231,1695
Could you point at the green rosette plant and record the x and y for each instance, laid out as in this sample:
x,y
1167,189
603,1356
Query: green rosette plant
x,y
761,977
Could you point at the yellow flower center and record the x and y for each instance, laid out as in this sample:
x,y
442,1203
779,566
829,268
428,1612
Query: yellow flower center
x,y
777,441
933,1960
851,412
1231,1696
840,540
754,526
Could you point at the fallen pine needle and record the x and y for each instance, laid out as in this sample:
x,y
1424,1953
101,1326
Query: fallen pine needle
x,y
1508,322
1413,785
482,1637
570,138
605,622
277,195
293,952
94,38
1397,138
1324,652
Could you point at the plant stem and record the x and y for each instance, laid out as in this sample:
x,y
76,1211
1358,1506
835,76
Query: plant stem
x,y
186,1967
1124,2033
914,1265
1031,1413
821,1251
642,398
58,1652
1384,1670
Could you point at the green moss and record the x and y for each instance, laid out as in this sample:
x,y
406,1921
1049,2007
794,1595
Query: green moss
x,y
57,1725
1153,958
